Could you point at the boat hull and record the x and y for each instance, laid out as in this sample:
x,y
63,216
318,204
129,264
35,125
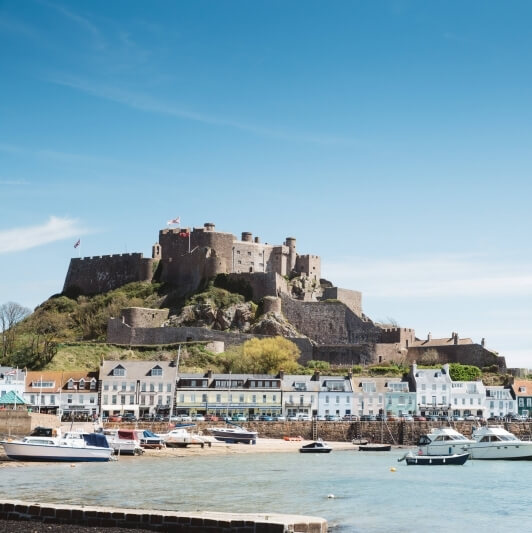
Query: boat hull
x,y
503,452
435,460
234,436
375,447
32,452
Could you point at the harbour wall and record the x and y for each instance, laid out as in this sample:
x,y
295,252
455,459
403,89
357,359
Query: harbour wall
x,y
21,422
393,432
156,520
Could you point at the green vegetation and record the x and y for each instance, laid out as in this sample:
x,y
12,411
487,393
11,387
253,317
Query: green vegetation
x,y
460,372
217,297
237,286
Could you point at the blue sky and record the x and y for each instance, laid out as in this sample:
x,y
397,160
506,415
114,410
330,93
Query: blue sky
x,y
391,138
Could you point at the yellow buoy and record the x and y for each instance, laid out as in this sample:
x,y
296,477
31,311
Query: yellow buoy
x,y
393,469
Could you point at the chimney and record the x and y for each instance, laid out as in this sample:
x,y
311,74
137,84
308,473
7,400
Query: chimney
x,y
483,342
429,336
209,373
455,338
316,376
257,240
350,374
281,374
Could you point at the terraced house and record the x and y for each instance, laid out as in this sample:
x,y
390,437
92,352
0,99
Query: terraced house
x,y
140,388
522,389
228,394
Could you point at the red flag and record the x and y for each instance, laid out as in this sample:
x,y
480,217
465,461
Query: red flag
x,y
184,234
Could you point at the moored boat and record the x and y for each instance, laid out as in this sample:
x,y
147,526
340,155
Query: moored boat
x,y
496,443
48,445
317,446
233,434
434,460
444,441
124,441
149,440
374,447
180,437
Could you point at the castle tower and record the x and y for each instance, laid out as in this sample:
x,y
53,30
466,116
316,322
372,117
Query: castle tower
x,y
156,251
292,255
247,236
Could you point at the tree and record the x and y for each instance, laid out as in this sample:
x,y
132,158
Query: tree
x,y
11,314
263,356
460,372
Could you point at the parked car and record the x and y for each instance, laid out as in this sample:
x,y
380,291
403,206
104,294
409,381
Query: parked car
x,y
239,418
303,418
265,418
280,418
332,418
129,418
381,418
198,418
457,418
350,418
211,418
368,418
183,418
115,418
419,418
407,418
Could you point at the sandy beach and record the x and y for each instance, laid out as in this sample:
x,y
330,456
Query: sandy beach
x,y
216,448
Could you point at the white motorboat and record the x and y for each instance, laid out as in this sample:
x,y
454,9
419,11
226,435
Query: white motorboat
x,y
233,434
444,441
124,441
180,437
45,444
317,446
149,440
497,443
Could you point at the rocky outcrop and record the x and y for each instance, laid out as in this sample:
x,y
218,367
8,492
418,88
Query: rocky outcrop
x,y
274,324
236,317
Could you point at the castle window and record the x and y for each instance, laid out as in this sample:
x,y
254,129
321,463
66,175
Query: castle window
x,y
249,253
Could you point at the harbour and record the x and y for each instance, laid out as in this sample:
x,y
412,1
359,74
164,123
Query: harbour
x,y
354,491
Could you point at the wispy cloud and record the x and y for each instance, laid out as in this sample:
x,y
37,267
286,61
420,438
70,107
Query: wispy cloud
x,y
10,148
143,102
25,238
82,22
432,276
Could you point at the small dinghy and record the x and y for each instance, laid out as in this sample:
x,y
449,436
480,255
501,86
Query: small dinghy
x,y
375,447
316,447
455,459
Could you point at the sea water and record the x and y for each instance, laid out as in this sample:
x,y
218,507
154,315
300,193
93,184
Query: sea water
x,y
355,491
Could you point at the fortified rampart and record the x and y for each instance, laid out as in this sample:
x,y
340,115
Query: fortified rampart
x,y
353,299
329,322
94,275
119,332
467,354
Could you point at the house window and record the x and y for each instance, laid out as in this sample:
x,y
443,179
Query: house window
x,y
152,387
122,400
124,386
156,371
192,397
218,398
70,384
105,399
254,398
168,387
93,385
204,398
113,399
264,398
131,399
160,387
92,399
168,400
326,399
81,399
241,399
119,371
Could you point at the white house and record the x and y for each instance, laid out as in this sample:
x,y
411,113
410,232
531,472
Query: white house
x,y
499,402
433,388
12,379
468,398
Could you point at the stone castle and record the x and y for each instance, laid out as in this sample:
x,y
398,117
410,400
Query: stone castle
x,y
329,320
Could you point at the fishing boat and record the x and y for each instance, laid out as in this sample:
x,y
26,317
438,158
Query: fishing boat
x,y
317,446
46,444
497,443
233,434
454,459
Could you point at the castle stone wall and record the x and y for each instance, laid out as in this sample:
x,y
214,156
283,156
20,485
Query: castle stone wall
x,y
329,322
120,333
263,283
345,355
353,299
466,354
141,317
94,275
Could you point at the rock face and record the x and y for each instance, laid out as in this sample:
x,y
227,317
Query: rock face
x,y
274,324
236,317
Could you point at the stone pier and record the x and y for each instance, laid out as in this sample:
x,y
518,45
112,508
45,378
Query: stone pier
x,y
155,520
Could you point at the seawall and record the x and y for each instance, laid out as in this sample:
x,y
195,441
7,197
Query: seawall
x,y
156,520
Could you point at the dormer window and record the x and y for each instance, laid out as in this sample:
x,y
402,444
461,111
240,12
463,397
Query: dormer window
x,y
157,371
81,384
522,389
93,384
70,384
119,371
